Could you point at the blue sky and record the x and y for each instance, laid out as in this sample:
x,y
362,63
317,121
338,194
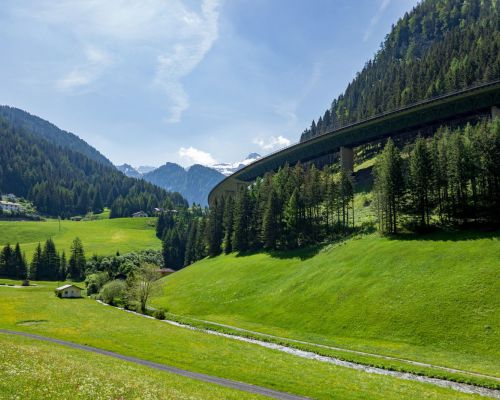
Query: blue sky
x,y
151,81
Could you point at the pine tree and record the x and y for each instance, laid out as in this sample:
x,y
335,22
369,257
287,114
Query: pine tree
x,y
228,225
346,196
270,223
49,266
7,265
389,187
292,219
215,231
190,255
36,263
242,215
20,263
63,268
76,265
420,183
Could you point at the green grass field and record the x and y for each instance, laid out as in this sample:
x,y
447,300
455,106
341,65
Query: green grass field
x,y
37,310
37,370
432,299
101,236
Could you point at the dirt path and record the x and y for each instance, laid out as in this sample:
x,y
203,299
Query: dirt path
x,y
245,387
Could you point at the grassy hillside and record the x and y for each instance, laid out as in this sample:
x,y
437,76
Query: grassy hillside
x,y
37,310
38,370
103,236
433,298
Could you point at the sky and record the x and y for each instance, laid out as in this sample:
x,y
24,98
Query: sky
x,y
208,81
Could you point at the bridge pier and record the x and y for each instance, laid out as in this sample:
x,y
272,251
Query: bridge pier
x,y
347,158
495,112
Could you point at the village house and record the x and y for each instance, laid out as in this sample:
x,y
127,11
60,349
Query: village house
x,y
69,292
10,207
139,214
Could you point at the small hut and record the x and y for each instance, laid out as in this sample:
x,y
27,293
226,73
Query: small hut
x,y
69,292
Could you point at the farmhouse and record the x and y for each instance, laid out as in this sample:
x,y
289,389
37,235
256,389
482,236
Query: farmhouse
x,y
139,214
11,207
69,291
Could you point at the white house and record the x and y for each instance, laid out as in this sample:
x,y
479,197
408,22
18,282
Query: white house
x,y
11,207
139,214
69,291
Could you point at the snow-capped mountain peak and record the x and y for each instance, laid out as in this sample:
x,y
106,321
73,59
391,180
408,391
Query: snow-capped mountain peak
x,y
230,168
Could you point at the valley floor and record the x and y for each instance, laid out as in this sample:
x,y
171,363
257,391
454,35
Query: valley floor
x,y
36,310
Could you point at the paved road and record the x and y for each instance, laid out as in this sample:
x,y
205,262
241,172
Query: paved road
x,y
245,387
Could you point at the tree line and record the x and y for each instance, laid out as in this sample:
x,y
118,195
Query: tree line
x,y
47,263
449,179
452,178
290,208
439,47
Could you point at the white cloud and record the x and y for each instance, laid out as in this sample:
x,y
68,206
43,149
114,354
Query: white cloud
x,y
272,143
96,61
196,156
376,17
169,37
184,57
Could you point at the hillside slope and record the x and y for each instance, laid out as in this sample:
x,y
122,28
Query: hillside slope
x,y
20,119
438,47
432,298
194,184
63,182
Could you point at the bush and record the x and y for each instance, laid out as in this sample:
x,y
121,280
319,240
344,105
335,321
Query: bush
x,y
95,282
113,293
159,314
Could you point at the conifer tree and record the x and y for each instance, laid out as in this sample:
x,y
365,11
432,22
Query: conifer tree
x,y
242,213
63,267
420,171
270,221
76,265
36,263
389,187
20,263
228,225
190,255
215,233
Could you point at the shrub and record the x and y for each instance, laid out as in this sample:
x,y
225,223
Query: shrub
x,y
95,282
159,314
113,292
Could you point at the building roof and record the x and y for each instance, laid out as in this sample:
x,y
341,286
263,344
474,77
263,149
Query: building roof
x,y
67,286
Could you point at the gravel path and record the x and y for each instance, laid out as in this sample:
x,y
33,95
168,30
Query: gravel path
x,y
245,387
461,387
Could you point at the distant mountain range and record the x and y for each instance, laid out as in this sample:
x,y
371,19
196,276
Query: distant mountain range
x,y
194,183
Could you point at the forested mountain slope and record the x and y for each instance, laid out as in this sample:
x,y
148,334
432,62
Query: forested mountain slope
x,y
62,182
194,184
19,119
439,47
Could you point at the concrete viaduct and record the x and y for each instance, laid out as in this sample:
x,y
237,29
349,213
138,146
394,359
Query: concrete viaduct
x,y
479,100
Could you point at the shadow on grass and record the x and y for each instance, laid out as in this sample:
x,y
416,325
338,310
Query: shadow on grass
x,y
449,235
307,252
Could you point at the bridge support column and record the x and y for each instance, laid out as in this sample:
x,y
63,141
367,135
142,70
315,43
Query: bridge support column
x,y
495,112
347,158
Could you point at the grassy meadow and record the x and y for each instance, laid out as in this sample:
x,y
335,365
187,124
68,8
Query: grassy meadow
x,y
38,310
433,298
100,236
36,370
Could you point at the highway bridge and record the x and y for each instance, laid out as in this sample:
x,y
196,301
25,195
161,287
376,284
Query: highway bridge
x,y
340,143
